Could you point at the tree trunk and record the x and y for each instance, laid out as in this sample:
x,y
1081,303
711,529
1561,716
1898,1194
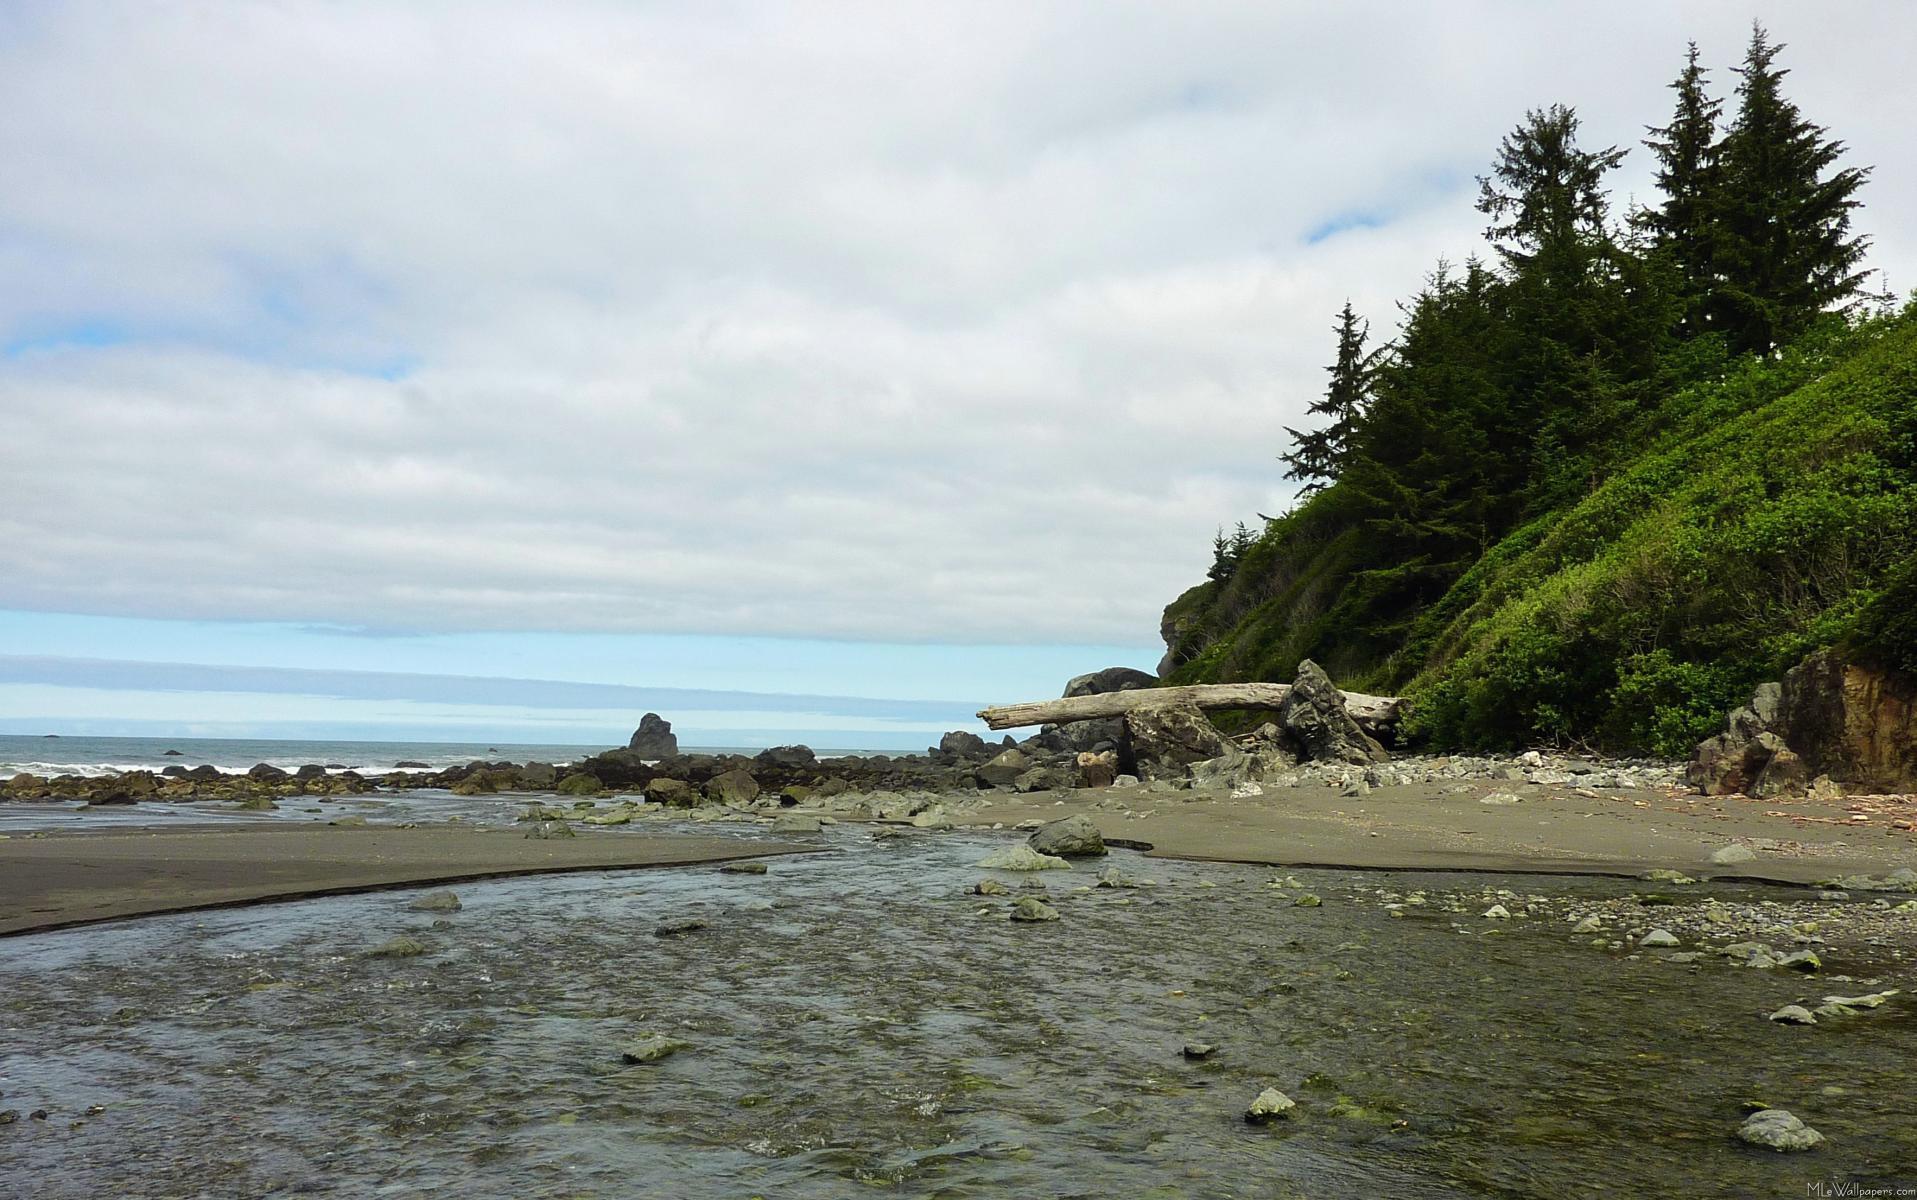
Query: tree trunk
x,y
1369,711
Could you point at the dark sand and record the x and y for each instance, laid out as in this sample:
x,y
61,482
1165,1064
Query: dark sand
x,y
1550,830
78,878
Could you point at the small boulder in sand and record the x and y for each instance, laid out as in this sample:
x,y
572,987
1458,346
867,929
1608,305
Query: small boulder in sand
x,y
1731,855
1074,837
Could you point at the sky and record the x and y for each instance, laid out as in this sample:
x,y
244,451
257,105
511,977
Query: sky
x,y
849,352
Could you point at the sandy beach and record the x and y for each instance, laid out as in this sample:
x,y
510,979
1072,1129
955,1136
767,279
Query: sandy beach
x,y
80,878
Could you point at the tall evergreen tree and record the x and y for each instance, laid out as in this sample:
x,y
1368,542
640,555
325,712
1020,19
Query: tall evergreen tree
x,y
1319,455
1545,196
1784,251
1683,226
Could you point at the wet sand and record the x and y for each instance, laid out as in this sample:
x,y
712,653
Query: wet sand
x,y
80,878
1549,830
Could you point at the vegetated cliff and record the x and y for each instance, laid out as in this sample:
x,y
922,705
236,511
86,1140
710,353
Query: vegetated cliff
x,y
1754,518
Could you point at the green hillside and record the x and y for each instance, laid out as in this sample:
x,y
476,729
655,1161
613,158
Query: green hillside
x,y
1776,513
1596,488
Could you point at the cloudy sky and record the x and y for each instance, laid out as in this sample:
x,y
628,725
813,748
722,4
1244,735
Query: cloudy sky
x,y
902,351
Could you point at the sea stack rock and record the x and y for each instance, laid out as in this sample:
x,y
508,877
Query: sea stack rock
x,y
654,738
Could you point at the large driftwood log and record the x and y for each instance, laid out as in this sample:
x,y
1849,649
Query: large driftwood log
x,y
1370,711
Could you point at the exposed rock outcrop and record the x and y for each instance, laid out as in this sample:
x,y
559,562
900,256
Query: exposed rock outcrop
x,y
1852,722
1161,742
654,738
1314,719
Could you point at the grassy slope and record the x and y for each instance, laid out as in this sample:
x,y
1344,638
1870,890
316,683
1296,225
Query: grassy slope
x,y
1767,516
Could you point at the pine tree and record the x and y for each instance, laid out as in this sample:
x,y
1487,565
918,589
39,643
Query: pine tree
x,y
1683,226
1319,455
1545,196
1784,252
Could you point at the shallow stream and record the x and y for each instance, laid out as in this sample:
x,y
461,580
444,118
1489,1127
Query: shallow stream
x,y
858,1023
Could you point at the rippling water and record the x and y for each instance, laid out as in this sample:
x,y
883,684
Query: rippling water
x,y
859,1024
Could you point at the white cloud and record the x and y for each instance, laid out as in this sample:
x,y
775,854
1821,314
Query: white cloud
x,y
869,321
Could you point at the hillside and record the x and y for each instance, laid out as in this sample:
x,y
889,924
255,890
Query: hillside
x,y
1753,518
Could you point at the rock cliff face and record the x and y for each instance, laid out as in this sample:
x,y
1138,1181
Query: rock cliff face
x,y
1852,721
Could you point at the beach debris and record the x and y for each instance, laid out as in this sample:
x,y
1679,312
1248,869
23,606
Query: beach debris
x,y
1074,837
1031,908
1270,1105
1022,857
444,900
1793,1014
652,1047
1776,1129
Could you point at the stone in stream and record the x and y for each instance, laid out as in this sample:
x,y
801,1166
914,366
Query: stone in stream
x,y
1776,1129
1850,1006
1802,960
1031,908
1022,858
1074,837
795,823
440,901
673,793
749,867
990,887
651,1048
1270,1105
1199,1050
1497,912
1658,938
1793,1014
398,947
1307,901
678,928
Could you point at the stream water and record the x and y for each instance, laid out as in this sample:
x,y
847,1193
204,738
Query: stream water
x,y
858,1023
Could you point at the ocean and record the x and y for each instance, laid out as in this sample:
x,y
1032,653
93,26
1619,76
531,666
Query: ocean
x,y
109,755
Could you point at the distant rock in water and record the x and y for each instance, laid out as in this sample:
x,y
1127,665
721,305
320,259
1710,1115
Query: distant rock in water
x,y
654,738
171,754
408,764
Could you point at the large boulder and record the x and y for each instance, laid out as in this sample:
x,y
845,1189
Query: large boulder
x,y
787,756
1160,741
1073,837
1728,764
962,744
654,738
1314,719
1111,679
1854,722
734,787
1004,770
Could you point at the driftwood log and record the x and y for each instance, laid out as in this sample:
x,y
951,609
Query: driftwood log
x,y
1370,711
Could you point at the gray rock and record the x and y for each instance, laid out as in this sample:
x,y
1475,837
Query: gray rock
x,y
1199,1050
550,829
1776,1129
1658,938
1022,858
734,787
749,867
1111,679
441,901
1031,908
1074,837
1315,720
1725,856
1161,742
398,947
1270,1105
678,928
652,1047
1004,770
787,756
673,793
1793,1014
1802,960
795,823
990,887
962,744
654,738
